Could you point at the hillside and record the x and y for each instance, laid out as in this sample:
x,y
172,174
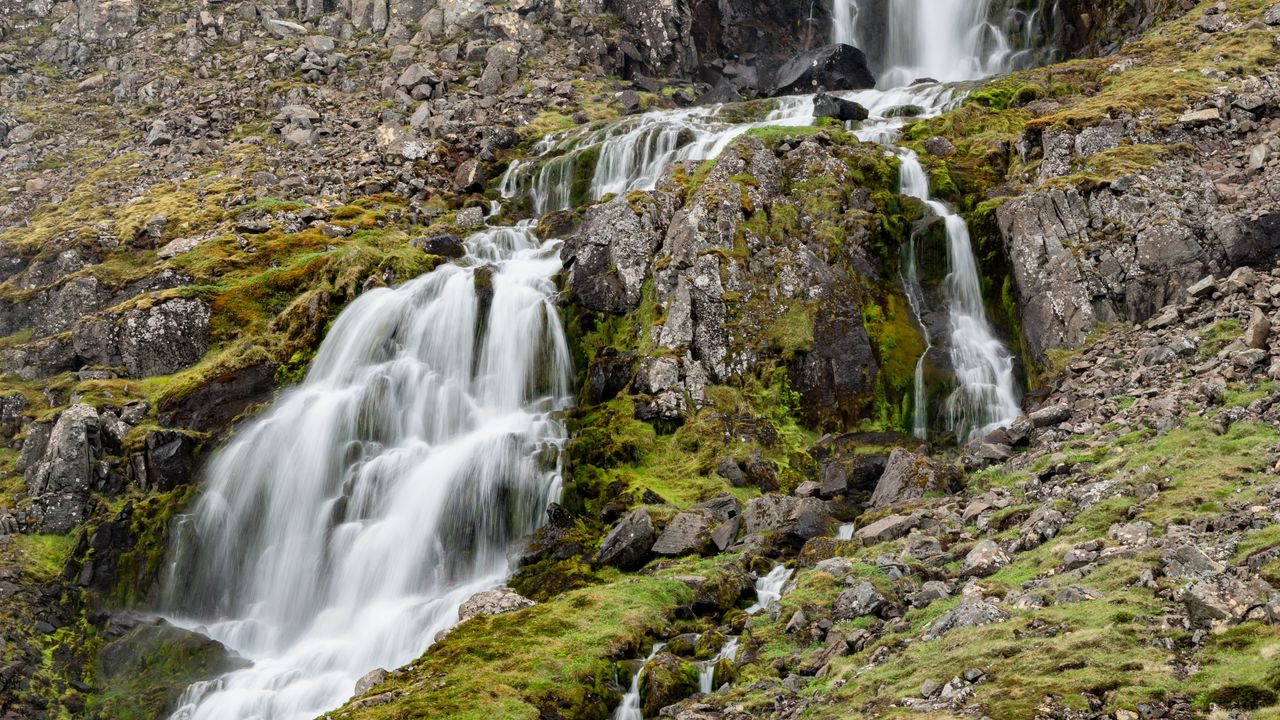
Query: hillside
x,y
317,318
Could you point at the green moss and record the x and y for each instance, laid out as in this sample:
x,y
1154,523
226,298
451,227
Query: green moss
x,y
792,332
138,568
553,659
44,556
1217,336
143,674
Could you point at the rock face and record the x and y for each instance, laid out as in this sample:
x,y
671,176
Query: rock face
x,y
726,308
612,250
158,340
830,67
1118,252
908,476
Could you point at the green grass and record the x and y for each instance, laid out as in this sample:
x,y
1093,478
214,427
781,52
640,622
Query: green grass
x,y
554,656
43,556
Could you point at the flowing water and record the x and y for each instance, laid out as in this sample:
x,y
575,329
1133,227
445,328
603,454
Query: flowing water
x,y
769,588
945,40
629,708
707,670
986,393
341,531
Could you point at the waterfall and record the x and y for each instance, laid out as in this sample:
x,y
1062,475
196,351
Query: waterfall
x,y
341,531
707,671
629,708
769,588
634,152
946,40
986,394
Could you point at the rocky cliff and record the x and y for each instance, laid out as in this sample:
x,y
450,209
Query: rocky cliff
x,y
193,192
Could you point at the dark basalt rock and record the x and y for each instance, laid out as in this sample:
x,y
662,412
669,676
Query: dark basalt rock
x,y
825,105
629,545
215,404
830,67
449,246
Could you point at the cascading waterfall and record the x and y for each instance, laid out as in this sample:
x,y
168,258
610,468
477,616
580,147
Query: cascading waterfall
x,y
986,393
769,588
946,40
707,671
635,152
629,708
341,531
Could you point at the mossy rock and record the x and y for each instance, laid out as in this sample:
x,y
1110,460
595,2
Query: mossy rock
x,y
665,680
726,671
144,672
709,643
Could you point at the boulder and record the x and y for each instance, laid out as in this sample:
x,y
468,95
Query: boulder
x,y
841,473
886,529
859,600
968,614
629,545
721,590
785,519
908,476
688,533
984,559
825,105
1050,415
829,67
493,602
449,246
61,480
665,680
369,680
153,662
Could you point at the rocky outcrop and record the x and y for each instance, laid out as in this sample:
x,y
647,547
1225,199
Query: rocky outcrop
x,y
609,255
628,546
1084,255
157,340
822,69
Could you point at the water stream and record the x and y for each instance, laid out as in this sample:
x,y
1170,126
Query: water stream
x,y
341,530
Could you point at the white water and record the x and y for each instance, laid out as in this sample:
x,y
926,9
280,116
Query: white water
x,y
629,708
341,531
707,670
845,532
634,153
946,40
769,588
986,394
